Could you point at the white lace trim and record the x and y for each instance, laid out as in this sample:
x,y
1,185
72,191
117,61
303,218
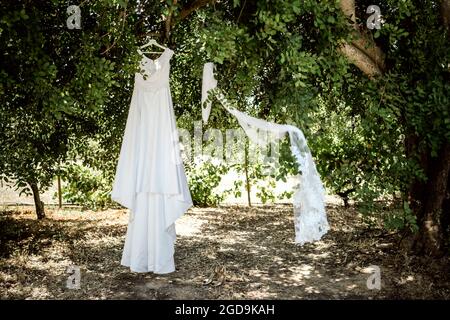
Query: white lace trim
x,y
310,218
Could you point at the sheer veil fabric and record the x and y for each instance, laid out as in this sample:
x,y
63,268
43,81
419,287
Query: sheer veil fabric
x,y
208,83
310,218
150,178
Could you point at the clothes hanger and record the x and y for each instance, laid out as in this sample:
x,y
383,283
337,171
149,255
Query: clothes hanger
x,y
150,43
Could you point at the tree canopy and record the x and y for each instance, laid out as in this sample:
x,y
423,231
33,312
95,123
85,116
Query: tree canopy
x,y
373,103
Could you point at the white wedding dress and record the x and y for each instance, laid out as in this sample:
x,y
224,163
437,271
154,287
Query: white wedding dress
x,y
150,179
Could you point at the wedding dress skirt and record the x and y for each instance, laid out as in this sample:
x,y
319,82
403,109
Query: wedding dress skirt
x,y
150,179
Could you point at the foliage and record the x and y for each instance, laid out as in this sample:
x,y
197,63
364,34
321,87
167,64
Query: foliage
x,y
56,84
277,60
203,178
266,166
401,219
86,187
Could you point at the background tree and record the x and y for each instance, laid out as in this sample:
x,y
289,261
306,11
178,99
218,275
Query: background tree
x,y
290,59
372,103
55,85
409,59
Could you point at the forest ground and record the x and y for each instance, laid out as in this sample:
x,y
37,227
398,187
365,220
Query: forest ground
x,y
231,252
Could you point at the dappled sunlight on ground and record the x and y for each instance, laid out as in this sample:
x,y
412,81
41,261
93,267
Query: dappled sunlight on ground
x,y
231,252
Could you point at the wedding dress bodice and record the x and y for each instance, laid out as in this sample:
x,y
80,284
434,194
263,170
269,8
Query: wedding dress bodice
x,y
156,71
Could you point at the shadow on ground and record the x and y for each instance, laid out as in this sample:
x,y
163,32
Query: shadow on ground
x,y
232,252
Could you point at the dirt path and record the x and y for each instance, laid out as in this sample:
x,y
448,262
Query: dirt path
x,y
221,253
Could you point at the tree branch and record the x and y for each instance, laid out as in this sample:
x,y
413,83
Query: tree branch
x,y
348,7
122,15
194,6
445,12
186,11
169,20
368,46
363,51
361,60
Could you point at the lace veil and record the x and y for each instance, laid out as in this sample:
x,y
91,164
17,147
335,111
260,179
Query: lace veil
x,y
310,218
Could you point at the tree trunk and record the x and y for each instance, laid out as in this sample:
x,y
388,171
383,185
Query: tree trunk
x,y
247,179
430,199
445,12
345,196
59,192
446,215
37,201
430,202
